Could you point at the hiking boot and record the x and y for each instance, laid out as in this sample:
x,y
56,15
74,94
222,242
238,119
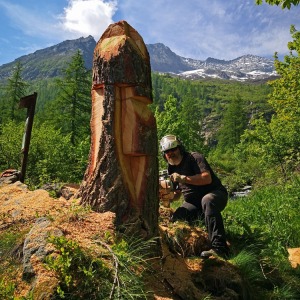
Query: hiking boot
x,y
214,252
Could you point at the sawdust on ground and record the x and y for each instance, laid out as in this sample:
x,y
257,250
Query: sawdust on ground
x,y
20,207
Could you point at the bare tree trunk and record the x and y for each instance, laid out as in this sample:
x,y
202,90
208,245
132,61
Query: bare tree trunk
x,y
122,175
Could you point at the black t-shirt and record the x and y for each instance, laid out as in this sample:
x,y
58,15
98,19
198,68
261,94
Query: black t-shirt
x,y
192,164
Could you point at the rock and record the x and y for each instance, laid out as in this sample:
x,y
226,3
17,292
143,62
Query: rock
x,y
245,191
36,244
9,176
53,188
68,191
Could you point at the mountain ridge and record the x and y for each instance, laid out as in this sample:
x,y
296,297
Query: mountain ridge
x,y
49,62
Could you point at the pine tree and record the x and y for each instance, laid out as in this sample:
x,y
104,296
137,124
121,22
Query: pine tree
x,y
233,124
71,110
168,121
191,117
14,89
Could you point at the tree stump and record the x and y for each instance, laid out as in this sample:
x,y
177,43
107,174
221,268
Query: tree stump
x,y
122,173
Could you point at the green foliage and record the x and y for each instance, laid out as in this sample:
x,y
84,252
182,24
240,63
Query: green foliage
x,y
80,275
47,91
77,212
7,290
10,145
276,143
284,3
265,224
8,240
52,158
271,215
14,89
168,121
248,266
84,276
233,124
194,109
234,170
70,110
286,292
130,256
9,264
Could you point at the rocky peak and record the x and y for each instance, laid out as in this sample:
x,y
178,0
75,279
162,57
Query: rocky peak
x,y
163,59
49,62
211,60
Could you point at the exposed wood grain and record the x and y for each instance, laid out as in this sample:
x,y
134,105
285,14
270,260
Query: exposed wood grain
x,y
122,175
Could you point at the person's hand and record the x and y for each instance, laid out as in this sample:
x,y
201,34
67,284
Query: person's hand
x,y
178,178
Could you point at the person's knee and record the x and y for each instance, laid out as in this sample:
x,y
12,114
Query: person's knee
x,y
205,201
208,206
214,203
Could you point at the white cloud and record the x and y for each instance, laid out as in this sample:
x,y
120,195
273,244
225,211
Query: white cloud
x,y
193,28
88,17
80,18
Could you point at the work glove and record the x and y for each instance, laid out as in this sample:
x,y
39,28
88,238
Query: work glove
x,y
178,178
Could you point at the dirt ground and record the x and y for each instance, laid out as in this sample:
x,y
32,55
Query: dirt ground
x,y
178,273
19,209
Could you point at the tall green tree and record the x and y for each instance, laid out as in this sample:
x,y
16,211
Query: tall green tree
x,y
168,120
191,116
233,124
277,143
71,110
14,89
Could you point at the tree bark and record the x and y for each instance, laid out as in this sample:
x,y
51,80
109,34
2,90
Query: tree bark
x,y
122,174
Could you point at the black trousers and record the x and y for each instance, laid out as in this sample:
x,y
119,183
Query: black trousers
x,y
210,212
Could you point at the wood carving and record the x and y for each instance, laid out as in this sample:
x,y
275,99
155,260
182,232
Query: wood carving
x,y
122,174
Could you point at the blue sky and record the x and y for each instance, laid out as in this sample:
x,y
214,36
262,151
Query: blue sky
x,y
223,29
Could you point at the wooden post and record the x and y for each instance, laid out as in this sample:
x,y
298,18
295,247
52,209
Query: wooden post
x,y
29,103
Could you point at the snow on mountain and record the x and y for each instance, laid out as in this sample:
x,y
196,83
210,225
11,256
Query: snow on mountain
x,y
163,60
247,67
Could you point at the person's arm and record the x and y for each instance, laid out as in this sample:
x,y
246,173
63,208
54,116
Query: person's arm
x,y
198,179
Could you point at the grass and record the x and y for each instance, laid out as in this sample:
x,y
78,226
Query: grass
x,y
114,273
261,227
10,263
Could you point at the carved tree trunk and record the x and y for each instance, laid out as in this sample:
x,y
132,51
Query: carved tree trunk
x,y
122,174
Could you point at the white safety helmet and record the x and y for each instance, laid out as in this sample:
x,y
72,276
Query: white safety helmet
x,y
169,142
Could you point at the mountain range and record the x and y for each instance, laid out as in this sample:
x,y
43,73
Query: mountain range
x,y
50,61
